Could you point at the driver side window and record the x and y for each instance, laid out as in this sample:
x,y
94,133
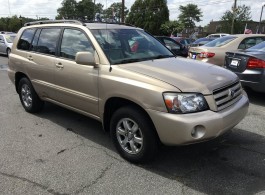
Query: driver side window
x,y
74,41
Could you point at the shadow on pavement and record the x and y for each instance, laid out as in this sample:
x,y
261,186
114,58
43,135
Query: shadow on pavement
x,y
231,164
255,97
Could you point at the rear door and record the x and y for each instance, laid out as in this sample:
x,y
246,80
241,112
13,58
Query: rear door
x,y
41,60
77,84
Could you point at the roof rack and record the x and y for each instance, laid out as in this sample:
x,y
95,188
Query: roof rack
x,y
53,22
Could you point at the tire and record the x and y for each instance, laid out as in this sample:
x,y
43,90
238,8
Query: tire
x,y
133,135
8,52
28,97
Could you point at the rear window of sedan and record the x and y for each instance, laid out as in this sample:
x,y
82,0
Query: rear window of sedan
x,y
220,41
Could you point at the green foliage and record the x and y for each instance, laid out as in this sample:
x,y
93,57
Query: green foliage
x,y
14,23
242,15
149,14
171,28
86,8
115,9
68,10
189,15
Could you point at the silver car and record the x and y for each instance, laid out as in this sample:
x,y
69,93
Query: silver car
x,y
6,42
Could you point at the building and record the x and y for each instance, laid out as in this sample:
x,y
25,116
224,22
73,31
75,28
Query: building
x,y
215,27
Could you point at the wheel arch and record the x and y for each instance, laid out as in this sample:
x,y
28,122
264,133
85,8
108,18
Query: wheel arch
x,y
114,103
18,77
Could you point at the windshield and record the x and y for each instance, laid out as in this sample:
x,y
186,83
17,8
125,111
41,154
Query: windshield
x,y
258,47
10,38
220,41
129,45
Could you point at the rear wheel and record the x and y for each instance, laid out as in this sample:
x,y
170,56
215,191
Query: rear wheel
x,y
28,97
133,135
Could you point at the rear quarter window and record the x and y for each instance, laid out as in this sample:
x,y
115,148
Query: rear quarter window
x,y
26,38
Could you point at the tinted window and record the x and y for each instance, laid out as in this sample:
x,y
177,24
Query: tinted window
x,y
26,38
1,38
171,44
48,40
35,41
74,41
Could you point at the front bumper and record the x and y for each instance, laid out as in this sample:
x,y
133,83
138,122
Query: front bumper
x,y
182,129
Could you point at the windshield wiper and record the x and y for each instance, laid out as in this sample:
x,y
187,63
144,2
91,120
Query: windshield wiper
x,y
127,61
163,56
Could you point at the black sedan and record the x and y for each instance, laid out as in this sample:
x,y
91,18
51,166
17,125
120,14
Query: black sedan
x,y
249,65
177,48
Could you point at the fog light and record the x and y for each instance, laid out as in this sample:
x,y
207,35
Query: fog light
x,y
198,132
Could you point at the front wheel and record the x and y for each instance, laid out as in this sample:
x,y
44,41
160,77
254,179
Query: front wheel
x,y
28,97
133,135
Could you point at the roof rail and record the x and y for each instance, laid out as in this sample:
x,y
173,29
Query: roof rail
x,y
53,22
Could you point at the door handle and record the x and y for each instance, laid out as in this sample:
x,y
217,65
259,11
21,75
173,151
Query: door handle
x,y
59,65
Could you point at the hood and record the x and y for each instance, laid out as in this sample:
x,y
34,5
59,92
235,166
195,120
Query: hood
x,y
185,74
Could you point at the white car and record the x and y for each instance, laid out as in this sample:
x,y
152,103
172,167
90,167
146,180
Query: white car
x,y
6,42
218,35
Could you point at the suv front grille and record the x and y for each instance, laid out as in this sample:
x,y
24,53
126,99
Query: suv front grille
x,y
227,96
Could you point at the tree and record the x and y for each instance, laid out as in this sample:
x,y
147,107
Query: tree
x,y
189,15
242,15
149,14
114,10
171,28
68,10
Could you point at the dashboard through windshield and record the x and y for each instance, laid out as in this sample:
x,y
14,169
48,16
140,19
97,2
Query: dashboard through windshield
x,y
129,45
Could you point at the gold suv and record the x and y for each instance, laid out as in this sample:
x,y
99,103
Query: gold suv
x,y
125,78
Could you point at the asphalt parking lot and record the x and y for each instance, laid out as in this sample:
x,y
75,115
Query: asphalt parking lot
x,y
61,152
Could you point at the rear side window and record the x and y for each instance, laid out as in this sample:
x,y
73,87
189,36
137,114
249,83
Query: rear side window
x,y
47,41
26,38
250,42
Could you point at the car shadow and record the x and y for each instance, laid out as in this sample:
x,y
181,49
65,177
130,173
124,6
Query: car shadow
x,y
231,164
256,97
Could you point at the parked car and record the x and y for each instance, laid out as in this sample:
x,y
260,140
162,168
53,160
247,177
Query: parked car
x,y
142,97
249,65
184,41
201,41
217,35
6,42
214,51
177,48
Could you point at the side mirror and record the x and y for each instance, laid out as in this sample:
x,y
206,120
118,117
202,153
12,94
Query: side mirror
x,y
85,58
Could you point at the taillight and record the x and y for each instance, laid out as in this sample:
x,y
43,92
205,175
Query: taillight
x,y
255,63
206,54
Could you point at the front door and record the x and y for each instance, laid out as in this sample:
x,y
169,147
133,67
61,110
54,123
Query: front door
x,y
77,84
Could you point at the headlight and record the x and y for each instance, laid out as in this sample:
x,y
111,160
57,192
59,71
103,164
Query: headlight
x,y
185,102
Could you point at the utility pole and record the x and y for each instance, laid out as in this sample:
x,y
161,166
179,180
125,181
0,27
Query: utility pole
x,y
258,31
122,11
233,19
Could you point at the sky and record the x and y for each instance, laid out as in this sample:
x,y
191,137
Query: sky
x,y
211,9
